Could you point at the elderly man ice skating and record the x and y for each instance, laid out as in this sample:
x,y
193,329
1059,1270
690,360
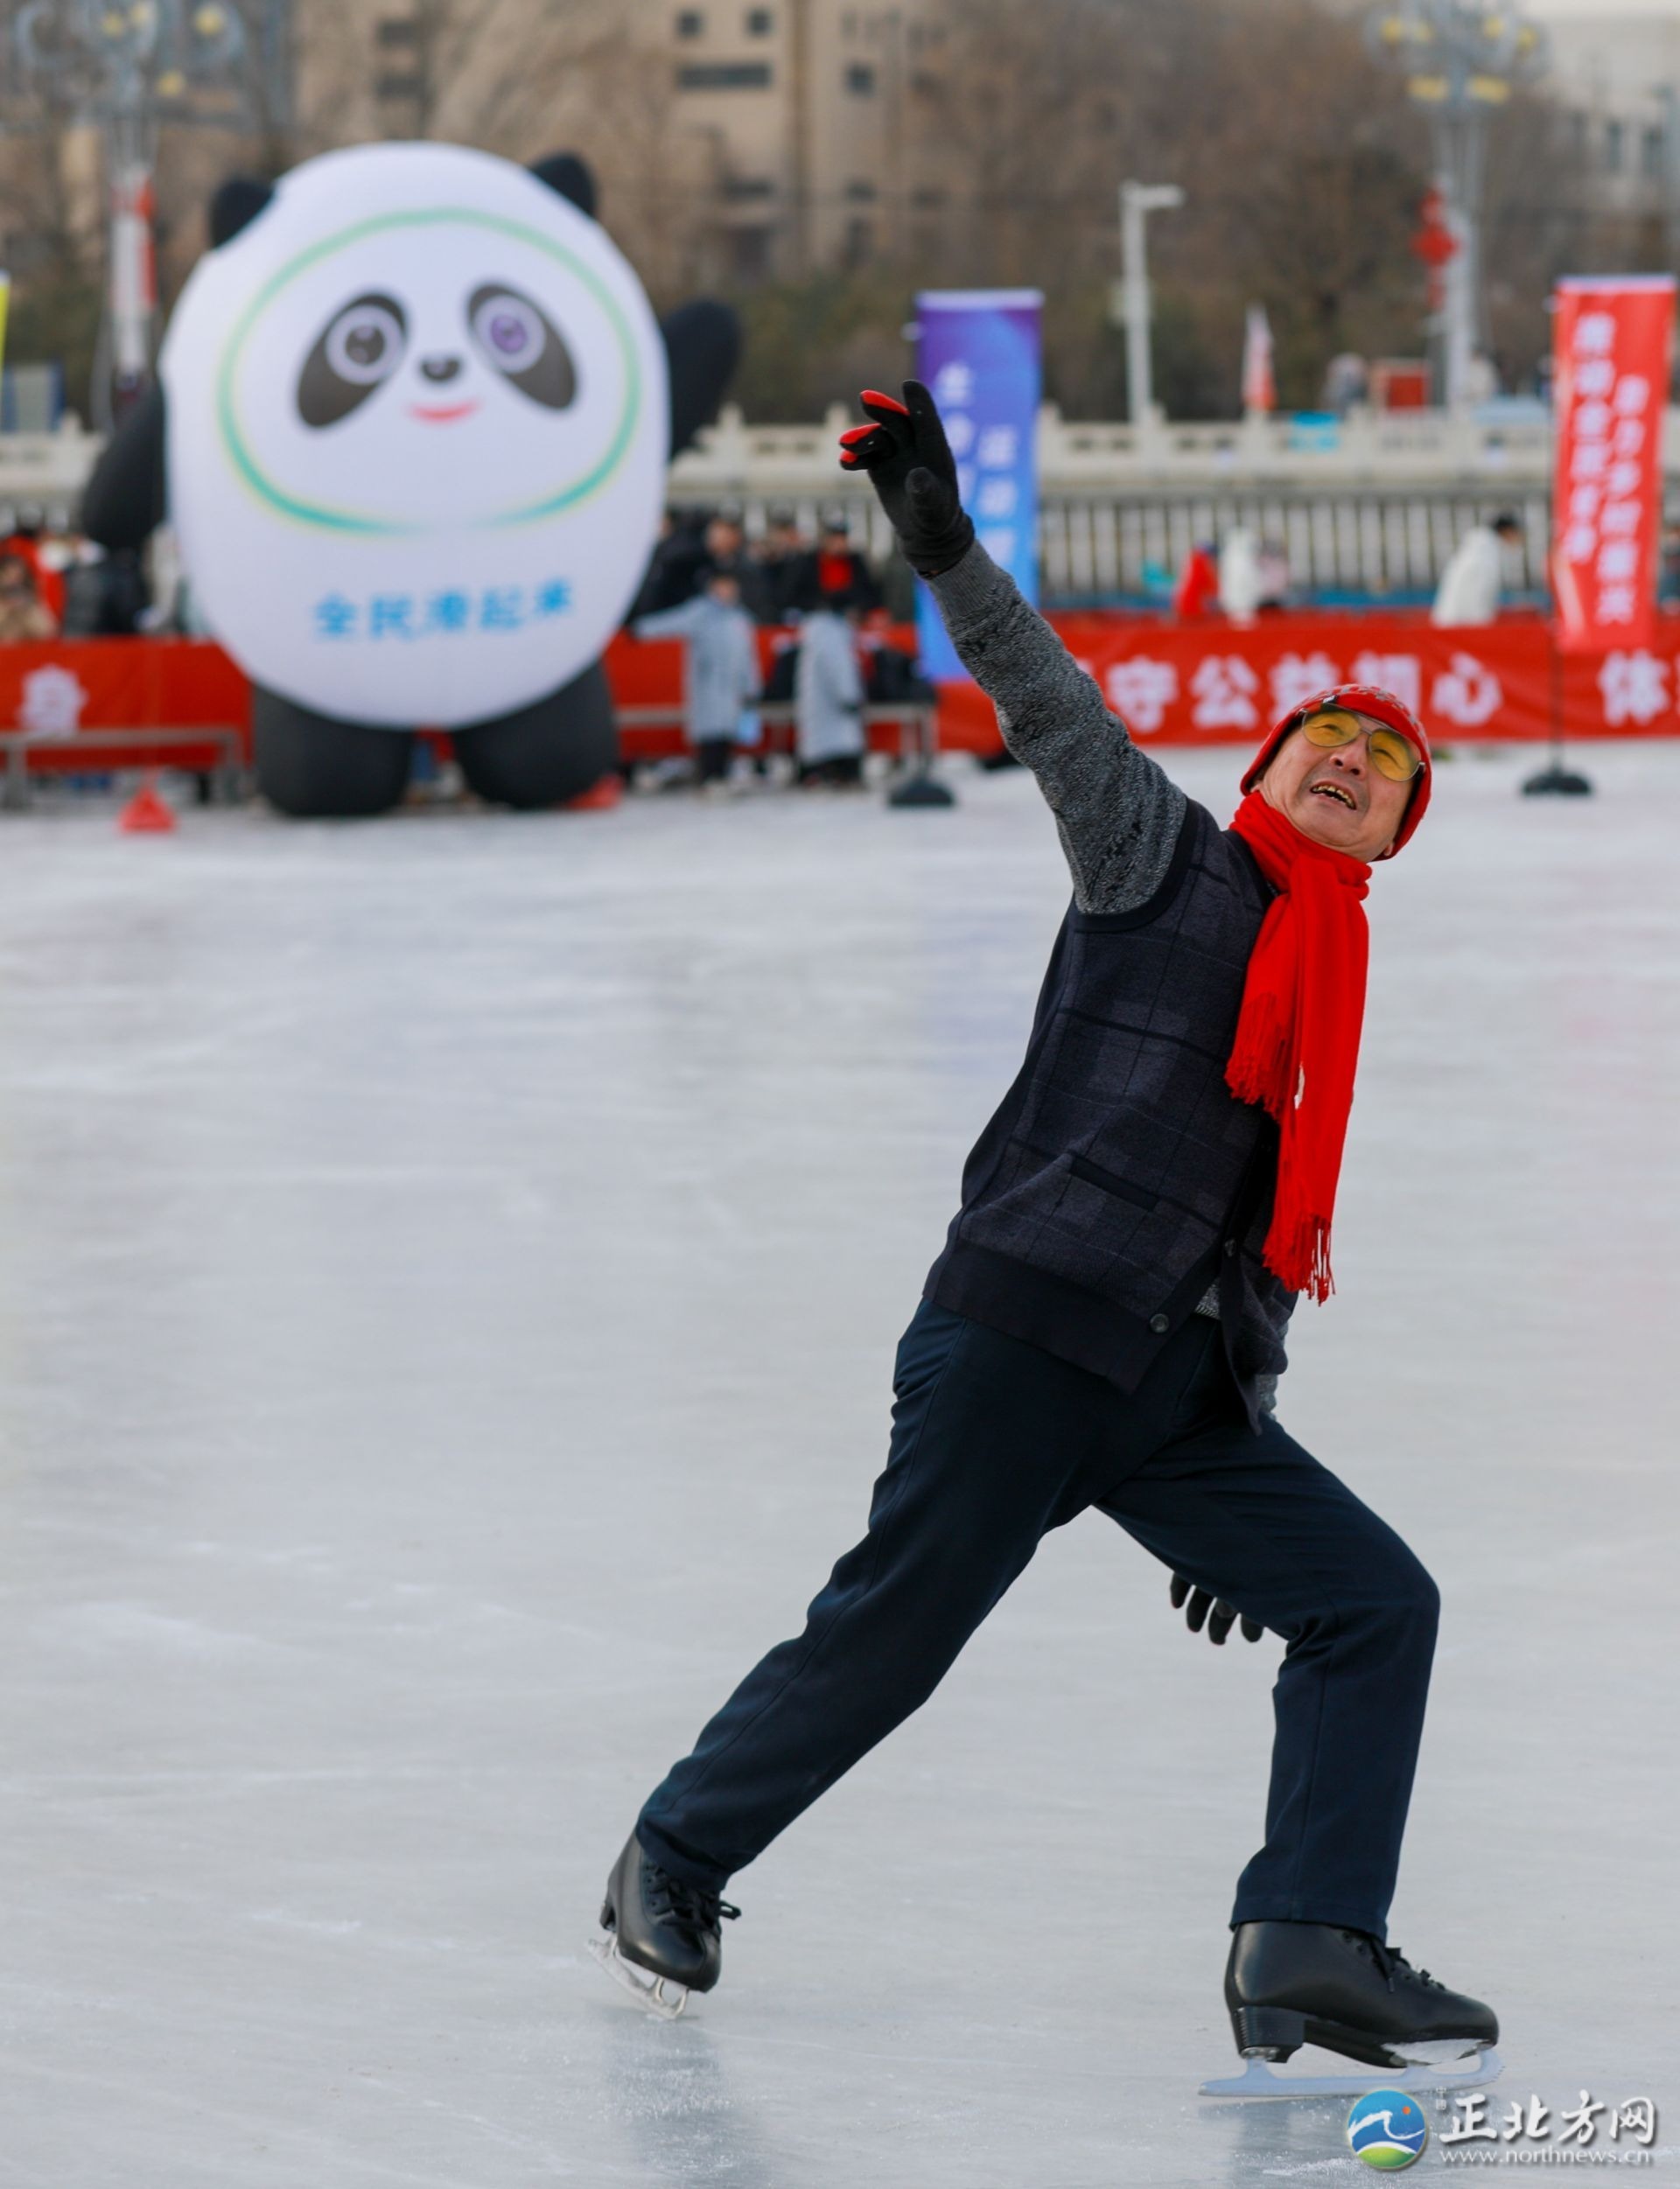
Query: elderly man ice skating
x,y
1105,1325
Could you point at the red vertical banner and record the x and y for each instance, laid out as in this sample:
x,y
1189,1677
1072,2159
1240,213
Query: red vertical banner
x,y
1611,359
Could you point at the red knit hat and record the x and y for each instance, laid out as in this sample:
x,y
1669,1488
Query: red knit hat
x,y
1381,706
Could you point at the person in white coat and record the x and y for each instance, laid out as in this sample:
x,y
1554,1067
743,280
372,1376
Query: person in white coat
x,y
1242,586
828,693
722,669
1475,578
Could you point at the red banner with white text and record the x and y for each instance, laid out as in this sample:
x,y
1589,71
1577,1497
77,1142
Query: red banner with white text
x,y
1215,684
1611,341
1172,684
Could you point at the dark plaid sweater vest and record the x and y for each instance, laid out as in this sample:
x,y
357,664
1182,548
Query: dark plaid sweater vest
x,y
1120,1177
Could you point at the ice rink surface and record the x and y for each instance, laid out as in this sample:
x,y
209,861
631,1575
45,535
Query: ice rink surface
x,y
449,1275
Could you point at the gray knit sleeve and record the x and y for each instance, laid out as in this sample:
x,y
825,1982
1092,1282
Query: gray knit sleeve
x,y
1118,813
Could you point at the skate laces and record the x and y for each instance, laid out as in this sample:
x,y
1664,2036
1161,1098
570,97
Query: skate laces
x,y
688,1904
1393,1962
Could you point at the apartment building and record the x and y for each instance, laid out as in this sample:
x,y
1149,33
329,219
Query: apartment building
x,y
1616,67
791,134
823,114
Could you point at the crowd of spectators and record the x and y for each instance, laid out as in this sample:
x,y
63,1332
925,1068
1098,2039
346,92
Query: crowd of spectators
x,y
57,584
781,576
712,587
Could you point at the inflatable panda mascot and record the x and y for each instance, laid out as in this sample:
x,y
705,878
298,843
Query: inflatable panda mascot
x,y
412,428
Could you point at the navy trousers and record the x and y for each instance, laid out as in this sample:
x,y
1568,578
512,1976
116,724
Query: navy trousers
x,y
994,1442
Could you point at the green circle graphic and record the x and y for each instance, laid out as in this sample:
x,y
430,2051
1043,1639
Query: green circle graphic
x,y
351,520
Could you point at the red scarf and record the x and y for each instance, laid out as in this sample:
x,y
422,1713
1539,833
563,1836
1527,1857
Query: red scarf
x,y
1297,1042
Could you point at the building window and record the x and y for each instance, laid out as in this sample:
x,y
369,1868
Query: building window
x,y
723,76
690,24
751,256
926,200
397,30
391,86
760,23
1614,136
1651,152
860,77
739,188
860,242
861,192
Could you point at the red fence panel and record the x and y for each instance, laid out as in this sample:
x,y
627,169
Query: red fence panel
x,y
1214,684
1173,684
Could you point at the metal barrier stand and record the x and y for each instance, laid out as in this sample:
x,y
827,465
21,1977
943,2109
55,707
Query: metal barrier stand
x,y
918,727
92,745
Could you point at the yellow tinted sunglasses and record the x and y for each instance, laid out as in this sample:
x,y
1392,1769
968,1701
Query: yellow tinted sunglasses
x,y
1391,754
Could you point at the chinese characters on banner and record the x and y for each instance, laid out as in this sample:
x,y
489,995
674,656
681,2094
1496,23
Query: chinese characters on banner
x,y
979,352
1611,342
1209,684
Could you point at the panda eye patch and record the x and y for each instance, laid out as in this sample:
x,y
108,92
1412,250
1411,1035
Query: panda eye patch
x,y
361,348
519,340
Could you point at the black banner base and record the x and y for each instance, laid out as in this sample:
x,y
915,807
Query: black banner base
x,y
1556,781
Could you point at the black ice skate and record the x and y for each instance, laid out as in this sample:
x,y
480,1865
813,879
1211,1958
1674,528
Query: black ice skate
x,y
663,1937
1290,1985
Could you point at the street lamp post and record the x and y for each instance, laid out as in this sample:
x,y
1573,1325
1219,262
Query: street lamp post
x,y
1460,62
128,64
1137,201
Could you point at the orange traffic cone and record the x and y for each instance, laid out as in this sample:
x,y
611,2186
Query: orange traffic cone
x,y
146,813
599,797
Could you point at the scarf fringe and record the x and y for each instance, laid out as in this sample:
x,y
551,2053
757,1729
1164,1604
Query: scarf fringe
x,y
1300,1256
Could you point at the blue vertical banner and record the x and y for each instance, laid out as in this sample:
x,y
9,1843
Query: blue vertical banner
x,y
980,351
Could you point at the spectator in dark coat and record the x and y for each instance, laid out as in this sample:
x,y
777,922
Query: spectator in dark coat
x,y
780,555
835,568
675,572
727,556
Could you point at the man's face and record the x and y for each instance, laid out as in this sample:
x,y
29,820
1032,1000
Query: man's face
x,y
1336,797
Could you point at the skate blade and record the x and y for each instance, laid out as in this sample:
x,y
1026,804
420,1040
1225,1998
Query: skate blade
x,y
1258,2080
658,1994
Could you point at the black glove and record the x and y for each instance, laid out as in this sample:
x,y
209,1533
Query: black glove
x,y
911,467
1224,1616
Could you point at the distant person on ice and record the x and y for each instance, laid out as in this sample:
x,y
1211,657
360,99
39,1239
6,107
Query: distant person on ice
x,y
1473,581
829,693
722,670
1104,1329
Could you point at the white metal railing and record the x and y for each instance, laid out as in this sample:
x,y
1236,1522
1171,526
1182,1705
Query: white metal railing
x,y
1375,505
49,468
1423,448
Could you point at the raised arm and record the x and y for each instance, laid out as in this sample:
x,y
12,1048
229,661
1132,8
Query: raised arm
x,y
1117,814
669,623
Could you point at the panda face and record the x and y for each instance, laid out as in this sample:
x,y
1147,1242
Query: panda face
x,y
417,436
450,368
364,346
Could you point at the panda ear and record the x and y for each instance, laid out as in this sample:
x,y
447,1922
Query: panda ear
x,y
570,177
235,205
